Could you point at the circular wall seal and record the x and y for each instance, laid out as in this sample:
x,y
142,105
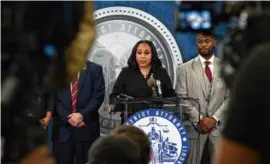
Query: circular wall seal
x,y
118,30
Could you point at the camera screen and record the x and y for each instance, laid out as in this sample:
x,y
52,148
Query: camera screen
x,y
194,20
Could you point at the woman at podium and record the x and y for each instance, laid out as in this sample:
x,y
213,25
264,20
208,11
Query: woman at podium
x,y
143,78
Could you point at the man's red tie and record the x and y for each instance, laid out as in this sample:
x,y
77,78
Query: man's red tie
x,y
74,94
207,71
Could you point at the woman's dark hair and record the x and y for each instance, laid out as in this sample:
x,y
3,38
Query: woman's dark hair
x,y
155,61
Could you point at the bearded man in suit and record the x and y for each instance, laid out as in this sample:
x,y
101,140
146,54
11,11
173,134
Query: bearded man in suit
x,y
199,78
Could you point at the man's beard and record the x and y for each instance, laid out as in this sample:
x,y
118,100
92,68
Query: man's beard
x,y
207,53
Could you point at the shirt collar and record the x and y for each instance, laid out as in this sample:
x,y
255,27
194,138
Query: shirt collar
x,y
211,60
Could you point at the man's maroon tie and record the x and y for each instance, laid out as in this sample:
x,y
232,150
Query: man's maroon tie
x,y
207,71
74,94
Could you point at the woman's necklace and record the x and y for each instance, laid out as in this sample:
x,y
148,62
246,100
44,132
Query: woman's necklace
x,y
145,72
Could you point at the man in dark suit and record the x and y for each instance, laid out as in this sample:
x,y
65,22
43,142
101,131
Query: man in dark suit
x,y
76,117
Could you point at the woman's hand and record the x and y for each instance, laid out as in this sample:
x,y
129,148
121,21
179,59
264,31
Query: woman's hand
x,y
46,120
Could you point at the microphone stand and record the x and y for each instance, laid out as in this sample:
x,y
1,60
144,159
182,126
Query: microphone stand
x,y
154,92
126,110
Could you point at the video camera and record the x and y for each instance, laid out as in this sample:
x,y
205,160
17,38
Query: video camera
x,y
194,16
200,16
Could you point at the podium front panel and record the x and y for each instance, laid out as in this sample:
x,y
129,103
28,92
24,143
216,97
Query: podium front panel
x,y
166,132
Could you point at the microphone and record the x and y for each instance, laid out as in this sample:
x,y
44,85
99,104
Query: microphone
x,y
159,88
151,82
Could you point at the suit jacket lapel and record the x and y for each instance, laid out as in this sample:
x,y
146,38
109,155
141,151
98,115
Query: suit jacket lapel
x,y
216,74
200,75
82,78
65,97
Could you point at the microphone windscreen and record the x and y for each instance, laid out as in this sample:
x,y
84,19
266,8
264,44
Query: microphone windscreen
x,y
151,81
